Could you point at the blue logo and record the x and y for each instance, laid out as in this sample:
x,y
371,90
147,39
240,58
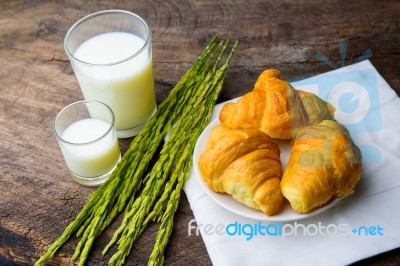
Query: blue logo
x,y
355,98
343,51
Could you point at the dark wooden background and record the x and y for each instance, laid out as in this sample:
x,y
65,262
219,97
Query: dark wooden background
x,y
37,197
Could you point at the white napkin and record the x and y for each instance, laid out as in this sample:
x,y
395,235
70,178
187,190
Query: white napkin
x,y
370,109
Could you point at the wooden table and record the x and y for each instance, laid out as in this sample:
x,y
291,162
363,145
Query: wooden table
x,y
38,198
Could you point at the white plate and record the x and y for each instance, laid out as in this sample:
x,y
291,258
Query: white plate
x,y
226,201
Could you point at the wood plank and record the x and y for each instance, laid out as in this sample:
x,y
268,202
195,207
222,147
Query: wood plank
x,y
37,197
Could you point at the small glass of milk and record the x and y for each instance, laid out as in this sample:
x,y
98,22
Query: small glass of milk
x,y
85,131
110,52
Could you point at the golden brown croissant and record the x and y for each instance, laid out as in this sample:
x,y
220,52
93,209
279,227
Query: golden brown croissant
x,y
324,164
276,108
244,163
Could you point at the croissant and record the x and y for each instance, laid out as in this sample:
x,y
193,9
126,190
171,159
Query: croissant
x,y
324,164
244,163
276,108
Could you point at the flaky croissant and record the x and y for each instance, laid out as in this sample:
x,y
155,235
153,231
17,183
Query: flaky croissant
x,y
244,163
276,108
324,164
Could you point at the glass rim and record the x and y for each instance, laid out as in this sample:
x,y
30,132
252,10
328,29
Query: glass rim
x,y
100,13
79,103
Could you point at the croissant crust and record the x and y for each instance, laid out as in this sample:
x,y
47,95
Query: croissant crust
x,y
276,108
244,163
324,164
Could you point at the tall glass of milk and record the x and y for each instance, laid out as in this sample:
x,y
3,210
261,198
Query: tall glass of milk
x,y
110,52
85,131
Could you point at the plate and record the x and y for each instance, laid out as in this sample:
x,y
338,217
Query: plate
x,y
286,214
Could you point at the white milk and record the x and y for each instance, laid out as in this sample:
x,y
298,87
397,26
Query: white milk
x,y
127,87
91,159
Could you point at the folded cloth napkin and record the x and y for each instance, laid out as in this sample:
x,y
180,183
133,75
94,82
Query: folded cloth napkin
x,y
359,226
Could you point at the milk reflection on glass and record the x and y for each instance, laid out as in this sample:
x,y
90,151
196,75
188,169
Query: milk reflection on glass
x,y
86,134
110,52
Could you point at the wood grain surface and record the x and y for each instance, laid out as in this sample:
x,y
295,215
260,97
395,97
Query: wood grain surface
x,y
38,199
